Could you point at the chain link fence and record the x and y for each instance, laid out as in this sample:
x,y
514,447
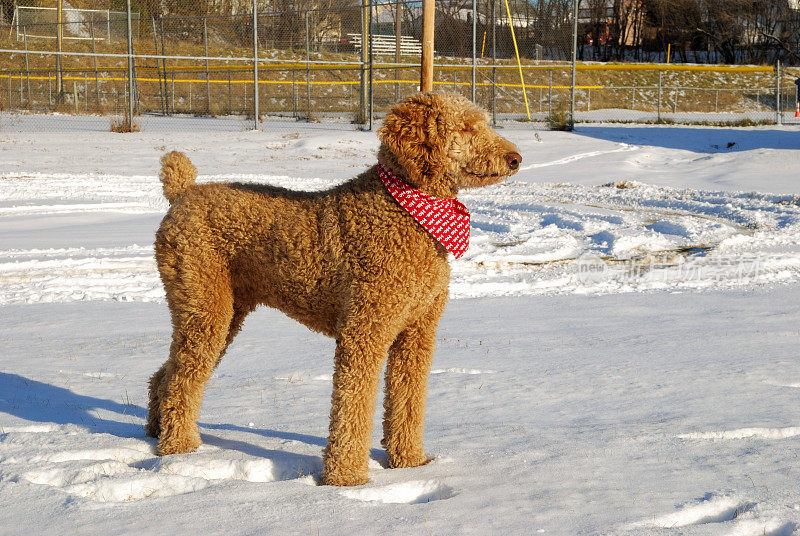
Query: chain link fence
x,y
341,64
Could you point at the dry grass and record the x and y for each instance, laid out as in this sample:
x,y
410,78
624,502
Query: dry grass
x,y
123,125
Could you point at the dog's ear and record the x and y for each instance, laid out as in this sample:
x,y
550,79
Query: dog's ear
x,y
415,133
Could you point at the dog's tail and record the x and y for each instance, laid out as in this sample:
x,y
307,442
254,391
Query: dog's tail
x,y
177,175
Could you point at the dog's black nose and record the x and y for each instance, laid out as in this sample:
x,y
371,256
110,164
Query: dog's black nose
x,y
513,160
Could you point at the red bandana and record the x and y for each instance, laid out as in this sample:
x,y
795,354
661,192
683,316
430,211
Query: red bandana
x,y
447,220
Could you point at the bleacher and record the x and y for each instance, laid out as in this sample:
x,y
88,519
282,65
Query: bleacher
x,y
387,44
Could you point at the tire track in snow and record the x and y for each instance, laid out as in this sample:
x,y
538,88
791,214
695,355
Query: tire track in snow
x,y
574,158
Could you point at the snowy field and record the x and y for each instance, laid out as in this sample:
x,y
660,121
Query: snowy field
x,y
620,355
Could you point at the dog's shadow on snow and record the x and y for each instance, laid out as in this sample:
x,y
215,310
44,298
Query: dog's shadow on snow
x,y
376,454
41,402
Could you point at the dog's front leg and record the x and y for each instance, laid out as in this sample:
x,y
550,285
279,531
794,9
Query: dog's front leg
x,y
410,360
360,355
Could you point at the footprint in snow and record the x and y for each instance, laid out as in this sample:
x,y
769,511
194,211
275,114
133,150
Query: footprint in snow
x,y
134,472
414,492
736,514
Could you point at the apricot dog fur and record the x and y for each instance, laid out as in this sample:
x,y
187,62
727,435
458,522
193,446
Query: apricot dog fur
x,y
349,262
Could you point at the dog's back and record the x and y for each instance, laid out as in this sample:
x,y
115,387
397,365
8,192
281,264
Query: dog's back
x,y
292,250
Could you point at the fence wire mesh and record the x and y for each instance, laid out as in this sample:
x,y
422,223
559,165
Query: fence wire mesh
x,y
343,63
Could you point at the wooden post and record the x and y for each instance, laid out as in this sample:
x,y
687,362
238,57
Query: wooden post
x,y
428,19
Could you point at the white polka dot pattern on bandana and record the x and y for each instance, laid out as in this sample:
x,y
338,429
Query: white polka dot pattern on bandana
x,y
447,220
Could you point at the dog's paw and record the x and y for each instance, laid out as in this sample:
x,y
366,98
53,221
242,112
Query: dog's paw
x,y
178,444
399,460
340,478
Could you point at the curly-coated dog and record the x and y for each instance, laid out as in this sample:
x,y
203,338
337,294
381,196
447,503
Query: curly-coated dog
x,y
350,262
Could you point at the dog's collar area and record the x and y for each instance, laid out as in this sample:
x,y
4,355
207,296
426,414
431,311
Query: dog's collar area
x,y
445,219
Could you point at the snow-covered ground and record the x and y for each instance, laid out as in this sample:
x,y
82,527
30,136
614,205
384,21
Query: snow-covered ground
x,y
620,355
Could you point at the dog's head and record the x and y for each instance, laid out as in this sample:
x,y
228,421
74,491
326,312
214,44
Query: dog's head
x,y
441,142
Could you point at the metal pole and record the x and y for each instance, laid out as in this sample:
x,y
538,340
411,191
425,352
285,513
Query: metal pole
x,y
398,38
428,18
96,75
778,114
308,73
208,82
494,63
659,96
131,82
27,66
164,67
59,37
371,80
362,112
574,63
255,66
474,45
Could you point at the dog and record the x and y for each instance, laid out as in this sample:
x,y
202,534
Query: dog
x,y
351,262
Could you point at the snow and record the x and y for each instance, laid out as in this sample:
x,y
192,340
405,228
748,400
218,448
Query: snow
x,y
619,355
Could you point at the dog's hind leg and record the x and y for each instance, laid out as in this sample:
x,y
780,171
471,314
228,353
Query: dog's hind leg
x,y
410,360
153,426
201,320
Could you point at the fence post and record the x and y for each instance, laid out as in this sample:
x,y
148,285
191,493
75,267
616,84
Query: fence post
x,y
494,64
27,66
164,68
131,83
371,77
574,63
659,96
208,82
59,37
474,45
778,118
308,73
428,23
362,103
398,39
96,76
255,66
